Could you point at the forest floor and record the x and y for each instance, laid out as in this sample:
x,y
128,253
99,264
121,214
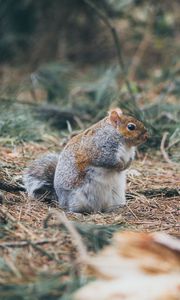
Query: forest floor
x,y
31,240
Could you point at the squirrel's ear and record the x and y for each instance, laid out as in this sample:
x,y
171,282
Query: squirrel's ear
x,y
115,116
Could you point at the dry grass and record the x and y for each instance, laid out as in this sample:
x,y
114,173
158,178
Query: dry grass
x,y
31,248
159,212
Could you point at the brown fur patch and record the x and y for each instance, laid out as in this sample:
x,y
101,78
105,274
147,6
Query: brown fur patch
x,y
83,147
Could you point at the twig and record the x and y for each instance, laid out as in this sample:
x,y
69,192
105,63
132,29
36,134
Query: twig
x,y
166,192
115,37
12,266
44,252
11,188
83,255
162,148
173,143
132,212
26,243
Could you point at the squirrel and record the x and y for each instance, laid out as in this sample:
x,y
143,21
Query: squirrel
x,y
89,174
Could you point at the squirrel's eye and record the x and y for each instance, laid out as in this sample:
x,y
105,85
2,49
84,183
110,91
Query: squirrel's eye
x,y
131,126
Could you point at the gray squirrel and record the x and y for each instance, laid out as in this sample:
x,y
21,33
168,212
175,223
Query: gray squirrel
x,y
89,175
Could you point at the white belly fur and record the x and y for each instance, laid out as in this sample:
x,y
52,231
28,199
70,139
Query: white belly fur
x,y
109,188
104,189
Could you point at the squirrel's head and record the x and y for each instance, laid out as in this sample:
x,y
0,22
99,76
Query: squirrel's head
x,y
132,130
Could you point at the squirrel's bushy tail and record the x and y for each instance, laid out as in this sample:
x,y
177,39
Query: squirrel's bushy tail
x,y
38,178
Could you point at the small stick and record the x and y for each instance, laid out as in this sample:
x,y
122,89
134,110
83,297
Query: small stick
x,y
75,236
132,212
12,266
163,151
12,188
44,252
167,192
26,243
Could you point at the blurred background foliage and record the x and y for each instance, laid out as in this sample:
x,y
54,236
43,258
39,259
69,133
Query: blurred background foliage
x,y
59,66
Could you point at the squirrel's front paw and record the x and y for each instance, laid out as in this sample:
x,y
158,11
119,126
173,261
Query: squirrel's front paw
x,y
122,165
127,164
